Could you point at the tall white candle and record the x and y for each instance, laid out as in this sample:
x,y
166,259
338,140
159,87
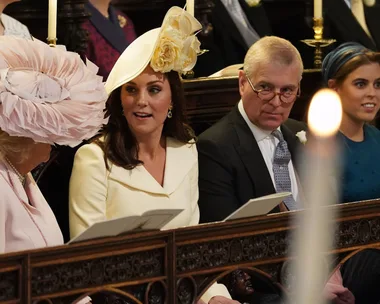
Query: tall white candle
x,y
318,8
314,237
52,20
190,7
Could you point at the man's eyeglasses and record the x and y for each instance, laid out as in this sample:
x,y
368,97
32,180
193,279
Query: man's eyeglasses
x,y
287,96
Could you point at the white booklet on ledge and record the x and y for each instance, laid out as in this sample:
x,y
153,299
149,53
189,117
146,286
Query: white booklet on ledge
x,y
149,220
258,206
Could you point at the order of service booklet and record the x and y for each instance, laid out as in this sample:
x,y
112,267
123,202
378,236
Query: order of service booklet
x,y
149,220
258,206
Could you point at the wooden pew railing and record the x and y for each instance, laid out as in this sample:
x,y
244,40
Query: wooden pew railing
x,y
173,266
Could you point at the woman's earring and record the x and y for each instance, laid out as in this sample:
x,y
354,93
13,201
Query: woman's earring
x,y
170,114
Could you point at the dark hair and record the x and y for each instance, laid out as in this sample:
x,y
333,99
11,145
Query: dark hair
x,y
120,145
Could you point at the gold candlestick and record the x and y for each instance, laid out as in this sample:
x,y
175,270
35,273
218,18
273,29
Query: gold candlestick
x,y
52,42
318,42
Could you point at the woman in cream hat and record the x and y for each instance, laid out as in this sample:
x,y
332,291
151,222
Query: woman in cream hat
x,y
47,96
146,158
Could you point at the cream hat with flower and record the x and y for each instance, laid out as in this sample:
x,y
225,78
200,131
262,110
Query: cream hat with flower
x,y
172,47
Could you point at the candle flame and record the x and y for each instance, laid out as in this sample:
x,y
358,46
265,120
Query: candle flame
x,y
325,113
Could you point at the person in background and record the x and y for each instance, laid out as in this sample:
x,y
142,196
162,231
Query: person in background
x,y
353,20
251,152
9,25
42,103
236,25
353,71
251,289
110,32
146,158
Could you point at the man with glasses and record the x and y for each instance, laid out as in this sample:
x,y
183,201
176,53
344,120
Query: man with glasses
x,y
251,151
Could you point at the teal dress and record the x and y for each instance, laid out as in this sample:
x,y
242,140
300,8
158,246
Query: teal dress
x,y
361,166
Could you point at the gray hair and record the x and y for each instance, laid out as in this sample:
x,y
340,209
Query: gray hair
x,y
271,49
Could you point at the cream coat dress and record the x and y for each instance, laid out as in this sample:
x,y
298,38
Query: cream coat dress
x,y
99,194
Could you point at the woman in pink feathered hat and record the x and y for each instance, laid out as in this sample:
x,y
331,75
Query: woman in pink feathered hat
x,y
47,96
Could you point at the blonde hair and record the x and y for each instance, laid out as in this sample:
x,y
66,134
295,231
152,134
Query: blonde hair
x,y
11,145
271,49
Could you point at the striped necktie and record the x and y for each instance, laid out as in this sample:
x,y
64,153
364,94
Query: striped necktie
x,y
281,170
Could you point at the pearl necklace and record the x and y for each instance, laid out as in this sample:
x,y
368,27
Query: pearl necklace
x,y
20,177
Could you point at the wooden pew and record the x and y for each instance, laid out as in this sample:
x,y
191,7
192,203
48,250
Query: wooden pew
x,y
173,266
209,99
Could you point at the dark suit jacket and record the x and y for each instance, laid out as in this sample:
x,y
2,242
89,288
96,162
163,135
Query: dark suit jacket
x,y
342,25
226,45
232,169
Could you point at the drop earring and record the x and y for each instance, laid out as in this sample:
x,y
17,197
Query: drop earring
x,y
170,114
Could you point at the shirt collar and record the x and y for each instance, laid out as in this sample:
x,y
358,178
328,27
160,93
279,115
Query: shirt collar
x,y
258,133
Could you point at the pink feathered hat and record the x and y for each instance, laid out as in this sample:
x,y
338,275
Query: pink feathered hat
x,y
48,94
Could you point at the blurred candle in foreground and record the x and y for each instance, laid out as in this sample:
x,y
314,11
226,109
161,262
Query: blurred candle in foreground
x,y
325,113
314,237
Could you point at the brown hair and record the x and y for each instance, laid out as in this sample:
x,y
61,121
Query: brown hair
x,y
356,62
120,145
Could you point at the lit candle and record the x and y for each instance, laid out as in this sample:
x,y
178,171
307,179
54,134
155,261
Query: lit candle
x,y
318,8
314,237
190,7
52,21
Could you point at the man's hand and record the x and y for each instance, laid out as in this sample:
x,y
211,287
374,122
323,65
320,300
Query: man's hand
x,y
219,300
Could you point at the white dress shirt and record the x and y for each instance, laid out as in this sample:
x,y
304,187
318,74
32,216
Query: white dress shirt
x,y
267,144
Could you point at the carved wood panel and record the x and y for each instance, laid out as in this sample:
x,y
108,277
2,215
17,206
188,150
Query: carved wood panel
x,y
9,285
171,266
102,271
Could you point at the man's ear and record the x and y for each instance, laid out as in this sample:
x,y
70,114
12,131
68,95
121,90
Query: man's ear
x,y
242,82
